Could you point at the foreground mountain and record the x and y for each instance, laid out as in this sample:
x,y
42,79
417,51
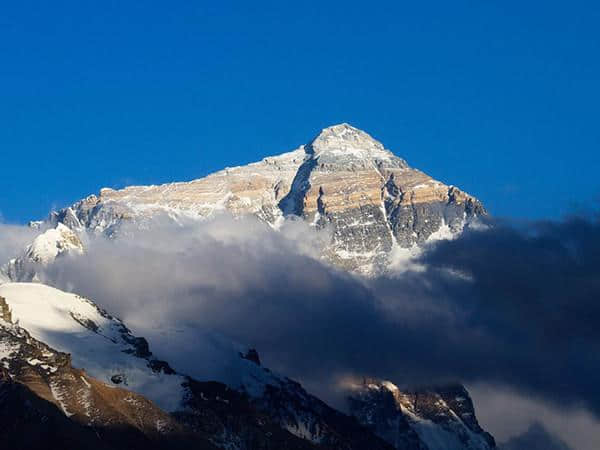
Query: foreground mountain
x,y
262,407
47,403
42,396
372,202
96,341
264,411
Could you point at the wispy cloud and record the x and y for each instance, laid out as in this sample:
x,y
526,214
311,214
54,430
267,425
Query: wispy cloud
x,y
12,240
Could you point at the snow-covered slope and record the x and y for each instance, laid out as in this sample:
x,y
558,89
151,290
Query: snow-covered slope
x,y
105,347
49,375
97,342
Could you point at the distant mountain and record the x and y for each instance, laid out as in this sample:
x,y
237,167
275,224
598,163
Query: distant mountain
x,y
436,418
375,204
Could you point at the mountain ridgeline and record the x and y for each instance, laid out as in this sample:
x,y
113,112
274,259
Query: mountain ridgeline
x,y
372,200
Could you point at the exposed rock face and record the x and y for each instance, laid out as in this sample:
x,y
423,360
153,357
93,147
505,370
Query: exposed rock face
x,y
372,199
308,417
429,419
5,313
30,423
344,179
215,409
253,189
81,408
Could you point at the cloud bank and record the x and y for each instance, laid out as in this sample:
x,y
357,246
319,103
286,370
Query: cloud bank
x,y
514,306
509,416
535,438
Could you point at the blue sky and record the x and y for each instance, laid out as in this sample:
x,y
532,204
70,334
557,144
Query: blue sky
x,y
499,98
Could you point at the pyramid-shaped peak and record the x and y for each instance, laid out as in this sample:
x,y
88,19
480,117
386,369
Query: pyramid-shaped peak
x,y
344,139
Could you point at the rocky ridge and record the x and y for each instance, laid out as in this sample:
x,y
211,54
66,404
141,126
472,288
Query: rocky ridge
x,y
96,341
436,418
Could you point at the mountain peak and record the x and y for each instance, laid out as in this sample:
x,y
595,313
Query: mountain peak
x,y
44,249
341,128
373,202
344,139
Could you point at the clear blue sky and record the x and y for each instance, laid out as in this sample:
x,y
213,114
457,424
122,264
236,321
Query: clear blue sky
x,y
501,98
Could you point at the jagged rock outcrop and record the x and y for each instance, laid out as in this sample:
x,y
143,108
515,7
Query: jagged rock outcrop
x,y
372,201
308,417
232,414
430,419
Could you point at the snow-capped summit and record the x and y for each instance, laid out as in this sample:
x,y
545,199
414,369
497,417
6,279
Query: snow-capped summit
x,y
43,251
52,243
344,140
373,201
